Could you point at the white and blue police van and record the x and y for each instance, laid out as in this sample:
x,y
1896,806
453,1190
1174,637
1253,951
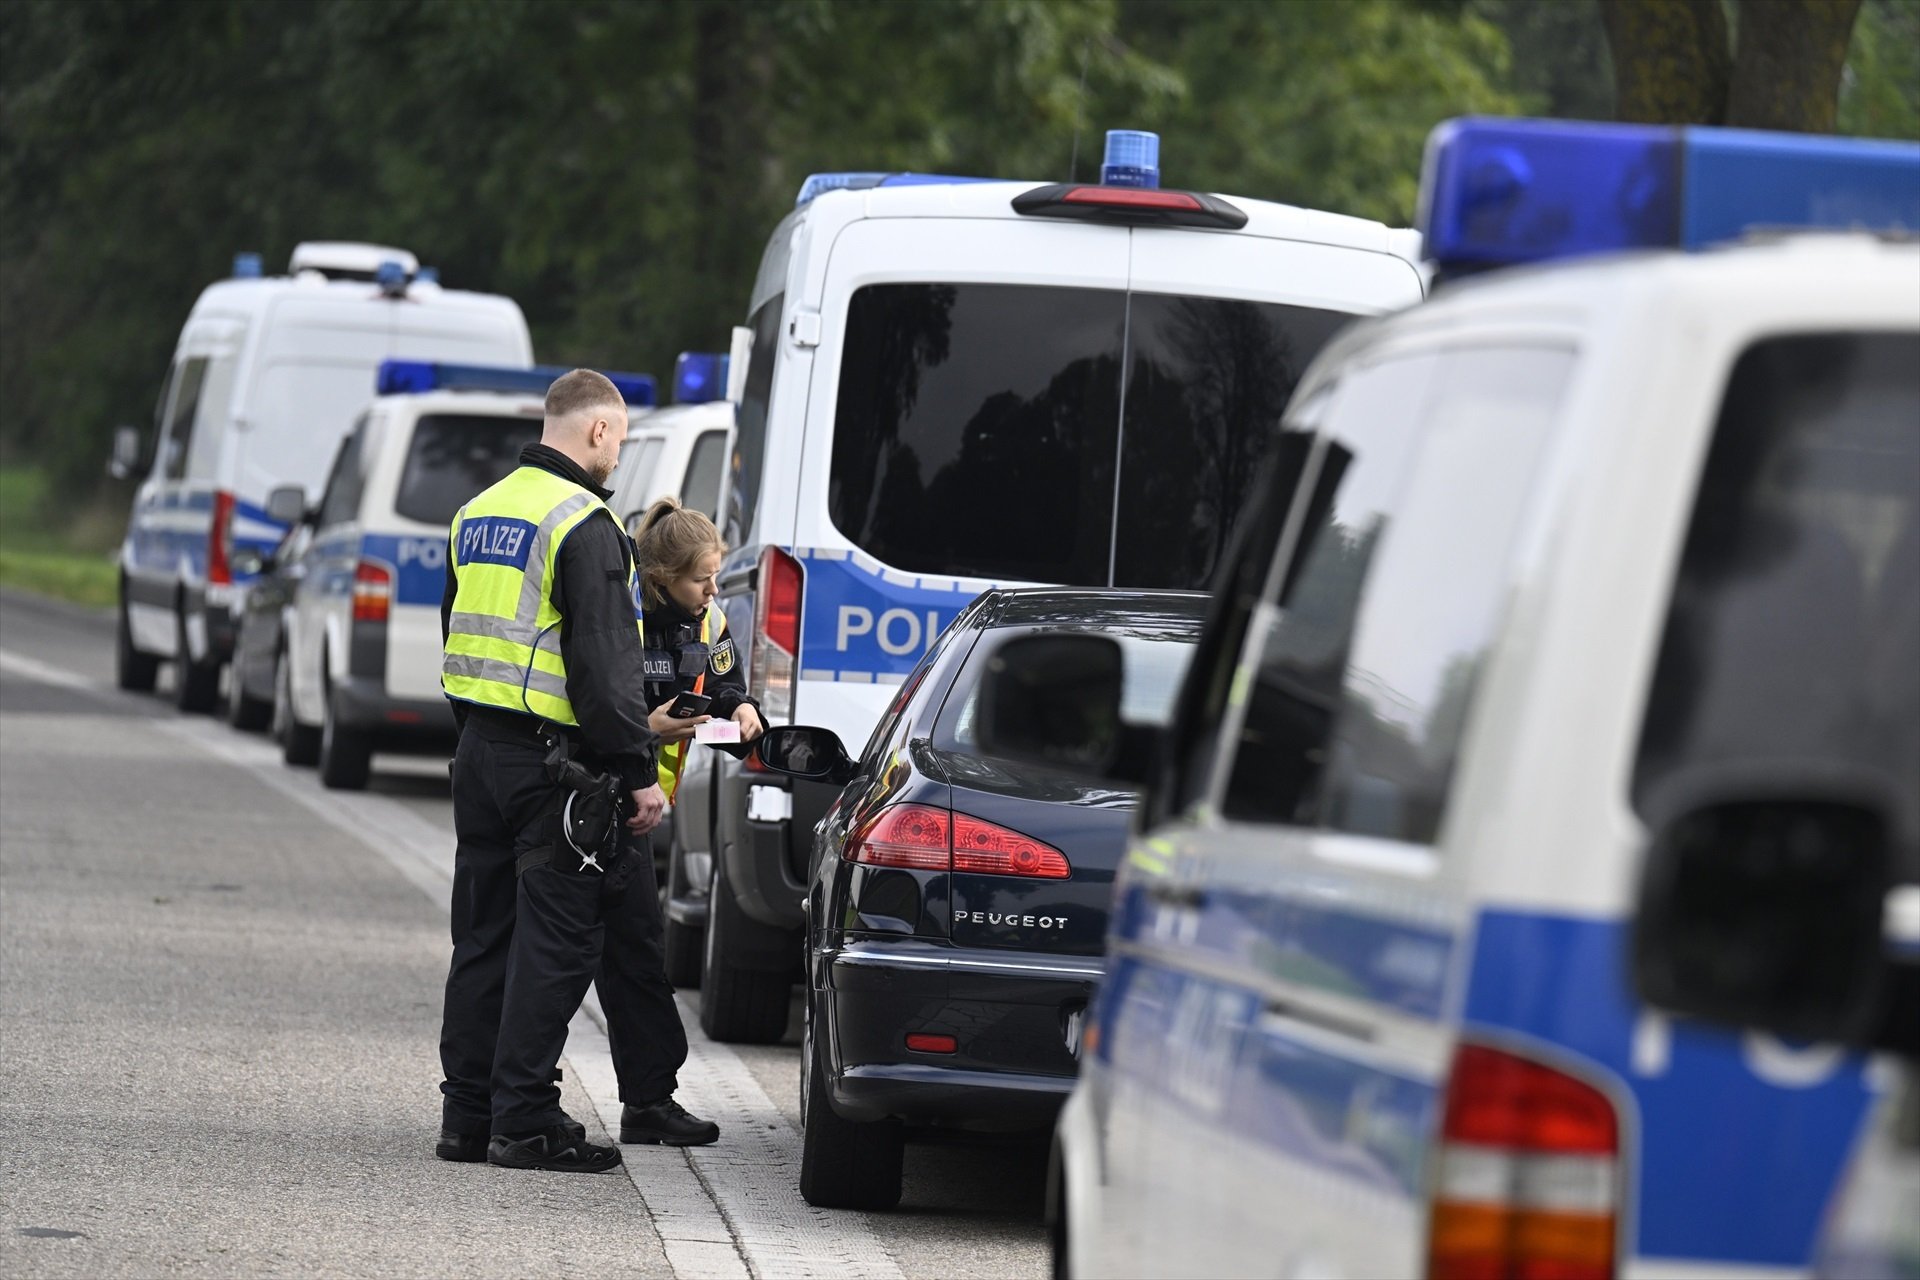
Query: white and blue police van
x,y
264,382
954,384
681,451
1580,614
361,635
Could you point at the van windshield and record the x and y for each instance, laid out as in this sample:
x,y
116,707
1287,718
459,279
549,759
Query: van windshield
x,y
452,457
1087,437
1792,642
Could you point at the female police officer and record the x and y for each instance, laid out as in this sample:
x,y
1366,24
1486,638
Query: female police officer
x,y
688,650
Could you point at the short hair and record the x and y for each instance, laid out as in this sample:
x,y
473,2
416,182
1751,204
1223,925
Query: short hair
x,y
579,390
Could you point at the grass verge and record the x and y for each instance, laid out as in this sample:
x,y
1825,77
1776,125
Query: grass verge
x,y
60,550
82,578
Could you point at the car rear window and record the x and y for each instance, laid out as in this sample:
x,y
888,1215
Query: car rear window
x,y
1792,640
980,430
452,457
1152,668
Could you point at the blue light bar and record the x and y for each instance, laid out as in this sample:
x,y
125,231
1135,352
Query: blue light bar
x,y
246,266
819,184
1132,160
411,377
1496,192
699,376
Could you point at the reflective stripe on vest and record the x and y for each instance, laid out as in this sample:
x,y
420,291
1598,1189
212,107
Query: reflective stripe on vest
x,y
673,755
503,643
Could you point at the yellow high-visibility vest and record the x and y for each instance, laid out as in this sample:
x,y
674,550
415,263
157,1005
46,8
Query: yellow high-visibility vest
x,y
503,641
673,755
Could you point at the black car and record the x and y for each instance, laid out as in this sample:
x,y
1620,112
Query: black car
x,y
255,698
957,906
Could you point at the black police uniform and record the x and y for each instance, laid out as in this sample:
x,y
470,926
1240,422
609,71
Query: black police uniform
x,y
526,945
676,660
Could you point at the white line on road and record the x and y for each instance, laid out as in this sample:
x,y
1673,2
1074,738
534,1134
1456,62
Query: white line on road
x,y
729,1210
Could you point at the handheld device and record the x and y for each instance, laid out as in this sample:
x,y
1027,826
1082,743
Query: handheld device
x,y
688,705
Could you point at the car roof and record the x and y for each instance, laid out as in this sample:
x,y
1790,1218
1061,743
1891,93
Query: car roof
x,y
1091,608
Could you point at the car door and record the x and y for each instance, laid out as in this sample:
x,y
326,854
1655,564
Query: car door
x,y
323,598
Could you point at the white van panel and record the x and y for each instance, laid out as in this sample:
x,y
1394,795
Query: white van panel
x,y
1261,270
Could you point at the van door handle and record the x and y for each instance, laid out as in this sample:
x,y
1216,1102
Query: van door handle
x,y
1188,896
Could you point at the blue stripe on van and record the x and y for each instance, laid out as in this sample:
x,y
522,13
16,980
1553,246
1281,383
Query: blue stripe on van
x,y
866,624
420,564
1731,1168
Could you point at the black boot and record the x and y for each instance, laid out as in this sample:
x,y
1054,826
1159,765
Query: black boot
x,y
558,1150
470,1146
668,1123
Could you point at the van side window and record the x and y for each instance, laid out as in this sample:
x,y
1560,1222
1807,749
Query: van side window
x,y
702,481
1793,632
750,440
191,375
340,502
216,398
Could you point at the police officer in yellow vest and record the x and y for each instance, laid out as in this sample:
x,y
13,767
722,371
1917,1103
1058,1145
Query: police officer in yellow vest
x,y
543,648
688,651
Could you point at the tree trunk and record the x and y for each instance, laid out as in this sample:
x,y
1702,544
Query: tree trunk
x,y
1671,63
1786,70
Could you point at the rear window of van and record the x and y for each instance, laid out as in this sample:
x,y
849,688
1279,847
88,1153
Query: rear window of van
x,y
454,456
1086,437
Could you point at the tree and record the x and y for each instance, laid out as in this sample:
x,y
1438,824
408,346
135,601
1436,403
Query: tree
x,y
1777,65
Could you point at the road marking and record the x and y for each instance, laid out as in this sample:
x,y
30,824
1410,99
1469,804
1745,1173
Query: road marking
x,y
729,1210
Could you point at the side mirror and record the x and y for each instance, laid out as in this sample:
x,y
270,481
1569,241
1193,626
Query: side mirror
x,y
1054,700
1768,913
803,751
287,505
124,462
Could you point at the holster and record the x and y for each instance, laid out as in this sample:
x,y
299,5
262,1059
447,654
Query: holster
x,y
589,834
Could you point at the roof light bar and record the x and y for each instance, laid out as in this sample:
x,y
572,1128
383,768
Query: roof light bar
x,y
1132,206
411,377
246,266
699,376
819,184
1498,192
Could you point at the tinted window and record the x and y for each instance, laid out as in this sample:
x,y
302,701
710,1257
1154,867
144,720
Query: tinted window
x,y
340,501
452,457
1152,667
750,440
186,407
1207,382
1793,634
1434,591
701,487
976,429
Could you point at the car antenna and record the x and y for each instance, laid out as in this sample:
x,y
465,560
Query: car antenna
x,y
1079,114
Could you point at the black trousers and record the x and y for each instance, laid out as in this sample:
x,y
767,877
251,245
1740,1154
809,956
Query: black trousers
x,y
525,949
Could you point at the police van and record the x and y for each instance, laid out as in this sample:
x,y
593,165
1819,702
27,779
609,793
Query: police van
x,y
1582,608
264,382
681,451
361,642
955,384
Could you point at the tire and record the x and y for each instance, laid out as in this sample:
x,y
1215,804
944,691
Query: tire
x,y
196,685
737,1006
299,743
244,711
1057,1235
684,945
134,671
843,1164
346,755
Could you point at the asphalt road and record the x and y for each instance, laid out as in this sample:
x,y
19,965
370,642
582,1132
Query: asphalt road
x,y
219,1014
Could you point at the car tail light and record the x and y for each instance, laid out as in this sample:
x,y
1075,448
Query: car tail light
x,y
920,1042
922,838
986,848
776,634
1528,1175
220,540
905,835
372,591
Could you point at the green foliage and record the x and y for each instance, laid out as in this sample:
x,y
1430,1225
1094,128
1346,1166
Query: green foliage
x,y
1880,91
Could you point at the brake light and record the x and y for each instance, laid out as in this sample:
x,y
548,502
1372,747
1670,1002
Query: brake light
x,y
905,835
220,540
372,591
922,1042
776,634
1131,198
986,848
1528,1176
1130,206
922,838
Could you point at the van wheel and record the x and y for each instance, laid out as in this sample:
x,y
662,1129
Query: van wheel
x,y
737,1006
196,685
244,711
346,755
683,944
299,743
134,671
843,1164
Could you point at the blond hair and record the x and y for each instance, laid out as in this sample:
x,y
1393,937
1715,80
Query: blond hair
x,y
580,390
672,541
